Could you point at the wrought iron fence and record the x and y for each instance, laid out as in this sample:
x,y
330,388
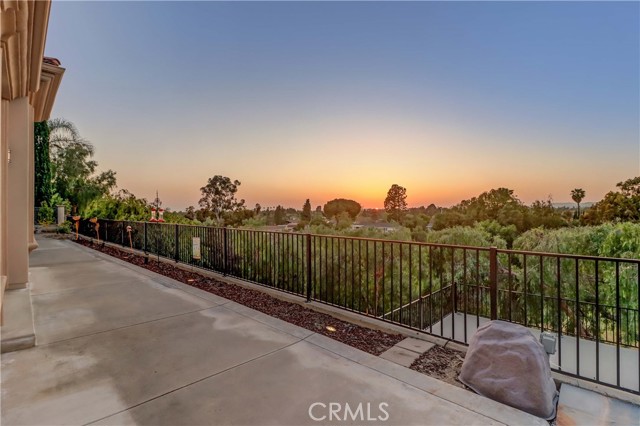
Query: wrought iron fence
x,y
590,303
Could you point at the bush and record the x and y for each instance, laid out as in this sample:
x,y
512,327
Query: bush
x,y
466,236
45,214
65,228
609,240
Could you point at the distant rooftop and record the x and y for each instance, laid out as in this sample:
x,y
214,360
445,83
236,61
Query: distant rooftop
x,y
52,61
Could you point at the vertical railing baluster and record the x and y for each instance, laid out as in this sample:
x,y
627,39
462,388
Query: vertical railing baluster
x,y
375,277
352,277
541,294
466,290
559,303
510,292
525,279
401,303
410,289
177,244
384,312
597,277
493,281
441,290
225,252
618,323
454,296
577,316
391,266
431,289
309,284
421,311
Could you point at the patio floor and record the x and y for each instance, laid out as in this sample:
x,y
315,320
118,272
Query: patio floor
x,y
117,344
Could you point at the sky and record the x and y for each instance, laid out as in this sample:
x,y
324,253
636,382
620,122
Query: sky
x,y
326,100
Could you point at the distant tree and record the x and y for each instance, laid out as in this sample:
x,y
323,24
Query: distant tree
x,y
396,202
343,220
238,217
431,209
334,207
219,197
449,218
75,178
622,205
319,209
257,208
497,204
190,213
122,205
306,211
577,195
630,187
64,134
317,219
280,216
543,214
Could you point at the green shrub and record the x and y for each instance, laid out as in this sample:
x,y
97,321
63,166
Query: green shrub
x,y
64,228
45,214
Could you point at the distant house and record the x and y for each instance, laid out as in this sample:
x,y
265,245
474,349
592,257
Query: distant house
x,y
383,226
289,227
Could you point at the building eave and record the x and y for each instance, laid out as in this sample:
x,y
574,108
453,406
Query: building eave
x,y
44,98
23,34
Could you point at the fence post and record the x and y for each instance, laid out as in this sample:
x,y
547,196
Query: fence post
x,y
308,238
176,255
493,281
225,252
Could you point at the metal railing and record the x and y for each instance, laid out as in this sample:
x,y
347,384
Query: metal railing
x,y
590,303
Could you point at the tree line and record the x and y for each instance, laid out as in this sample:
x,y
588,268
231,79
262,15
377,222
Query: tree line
x,y
67,174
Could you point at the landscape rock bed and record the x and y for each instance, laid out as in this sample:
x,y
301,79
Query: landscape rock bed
x,y
441,363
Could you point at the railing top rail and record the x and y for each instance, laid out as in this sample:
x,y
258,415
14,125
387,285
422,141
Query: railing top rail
x,y
570,256
416,243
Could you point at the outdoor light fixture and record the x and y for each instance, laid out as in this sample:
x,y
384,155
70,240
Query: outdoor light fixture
x,y
548,341
331,328
9,155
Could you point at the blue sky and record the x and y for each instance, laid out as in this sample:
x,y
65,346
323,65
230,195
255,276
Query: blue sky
x,y
323,99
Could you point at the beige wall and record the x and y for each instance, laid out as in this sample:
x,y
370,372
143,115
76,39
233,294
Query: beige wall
x,y
27,94
3,193
31,183
18,116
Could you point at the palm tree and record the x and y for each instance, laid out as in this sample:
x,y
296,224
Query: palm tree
x,y
64,134
578,195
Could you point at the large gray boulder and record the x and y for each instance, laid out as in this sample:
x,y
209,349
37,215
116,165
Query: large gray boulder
x,y
506,363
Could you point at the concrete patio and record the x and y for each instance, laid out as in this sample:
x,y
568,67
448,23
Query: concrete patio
x,y
117,344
